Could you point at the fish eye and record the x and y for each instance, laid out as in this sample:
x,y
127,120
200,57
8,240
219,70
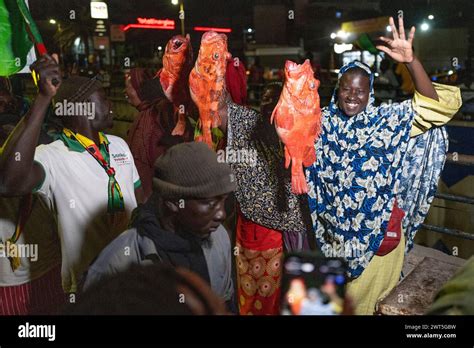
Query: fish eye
x,y
312,85
216,55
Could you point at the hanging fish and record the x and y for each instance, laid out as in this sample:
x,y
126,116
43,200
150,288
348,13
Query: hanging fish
x,y
174,77
297,117
207,81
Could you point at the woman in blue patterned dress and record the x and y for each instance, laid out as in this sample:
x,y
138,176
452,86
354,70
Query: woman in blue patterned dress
x,y
376,171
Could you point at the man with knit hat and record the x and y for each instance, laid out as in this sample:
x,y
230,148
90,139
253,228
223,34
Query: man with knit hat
x,y
181,224
87,179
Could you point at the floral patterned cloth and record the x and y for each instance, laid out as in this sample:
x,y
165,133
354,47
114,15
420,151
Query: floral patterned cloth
x,y
356,176
422,166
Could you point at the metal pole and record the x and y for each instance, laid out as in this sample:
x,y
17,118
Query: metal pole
x,y
181,17
460,159
455,198
452,232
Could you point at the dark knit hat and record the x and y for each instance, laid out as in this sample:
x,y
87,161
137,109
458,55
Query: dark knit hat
x,y
77,89
192,170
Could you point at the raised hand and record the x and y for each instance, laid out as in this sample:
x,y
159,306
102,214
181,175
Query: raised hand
x,y
399,48
47,70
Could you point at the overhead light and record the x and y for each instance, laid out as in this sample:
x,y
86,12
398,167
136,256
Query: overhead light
x,y
174,2
343,34
249,30
333,35
307,267
340,48
430,17
424,26
160,48
450,72
52,21
388,28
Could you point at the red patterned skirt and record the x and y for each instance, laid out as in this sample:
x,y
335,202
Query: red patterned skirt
x,y
258,268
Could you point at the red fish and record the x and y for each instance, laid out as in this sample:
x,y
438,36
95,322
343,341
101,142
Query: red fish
x,y
297,118
174,77
207,81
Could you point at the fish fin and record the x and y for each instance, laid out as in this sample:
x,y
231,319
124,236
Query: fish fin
x,y
287,158
310,157
216,120
298,179
165,84
206,134
180,125
274,113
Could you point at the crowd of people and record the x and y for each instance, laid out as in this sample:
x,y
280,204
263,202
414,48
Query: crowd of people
x,y
157,224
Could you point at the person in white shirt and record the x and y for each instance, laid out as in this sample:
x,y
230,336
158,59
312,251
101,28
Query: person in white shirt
x,y
87,178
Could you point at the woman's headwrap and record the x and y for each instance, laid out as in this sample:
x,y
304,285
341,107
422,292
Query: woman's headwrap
x,y
356,176
147,87
333,106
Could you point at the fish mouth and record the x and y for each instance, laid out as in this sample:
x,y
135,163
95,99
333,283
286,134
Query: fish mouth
x,y
293,69
177,45
291,66
213,36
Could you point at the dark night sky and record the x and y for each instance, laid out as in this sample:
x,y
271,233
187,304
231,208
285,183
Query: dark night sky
x,y
238,15
225,12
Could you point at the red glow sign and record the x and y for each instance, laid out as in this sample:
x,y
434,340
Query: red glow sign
x,y
219,30
152,23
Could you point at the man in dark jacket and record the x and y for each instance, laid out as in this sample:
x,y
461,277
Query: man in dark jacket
x,y
181,224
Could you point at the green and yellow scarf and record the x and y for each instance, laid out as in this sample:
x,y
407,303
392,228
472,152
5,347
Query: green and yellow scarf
x,y
78,142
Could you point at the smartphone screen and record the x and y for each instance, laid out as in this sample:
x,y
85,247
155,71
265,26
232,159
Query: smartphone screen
x,y
313,285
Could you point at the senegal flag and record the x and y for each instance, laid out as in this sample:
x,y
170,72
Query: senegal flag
x,y
18,32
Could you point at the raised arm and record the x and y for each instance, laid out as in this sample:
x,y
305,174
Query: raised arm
x,y
18,172
400,49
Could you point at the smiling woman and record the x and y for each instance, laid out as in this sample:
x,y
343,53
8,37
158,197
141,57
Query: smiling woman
x,y
369,159
353,93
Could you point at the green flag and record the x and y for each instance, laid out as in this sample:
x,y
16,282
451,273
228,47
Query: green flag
x,y
18,33
365,43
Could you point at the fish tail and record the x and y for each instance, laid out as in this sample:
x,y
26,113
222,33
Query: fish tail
x,y
207,137
298,179
206,134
